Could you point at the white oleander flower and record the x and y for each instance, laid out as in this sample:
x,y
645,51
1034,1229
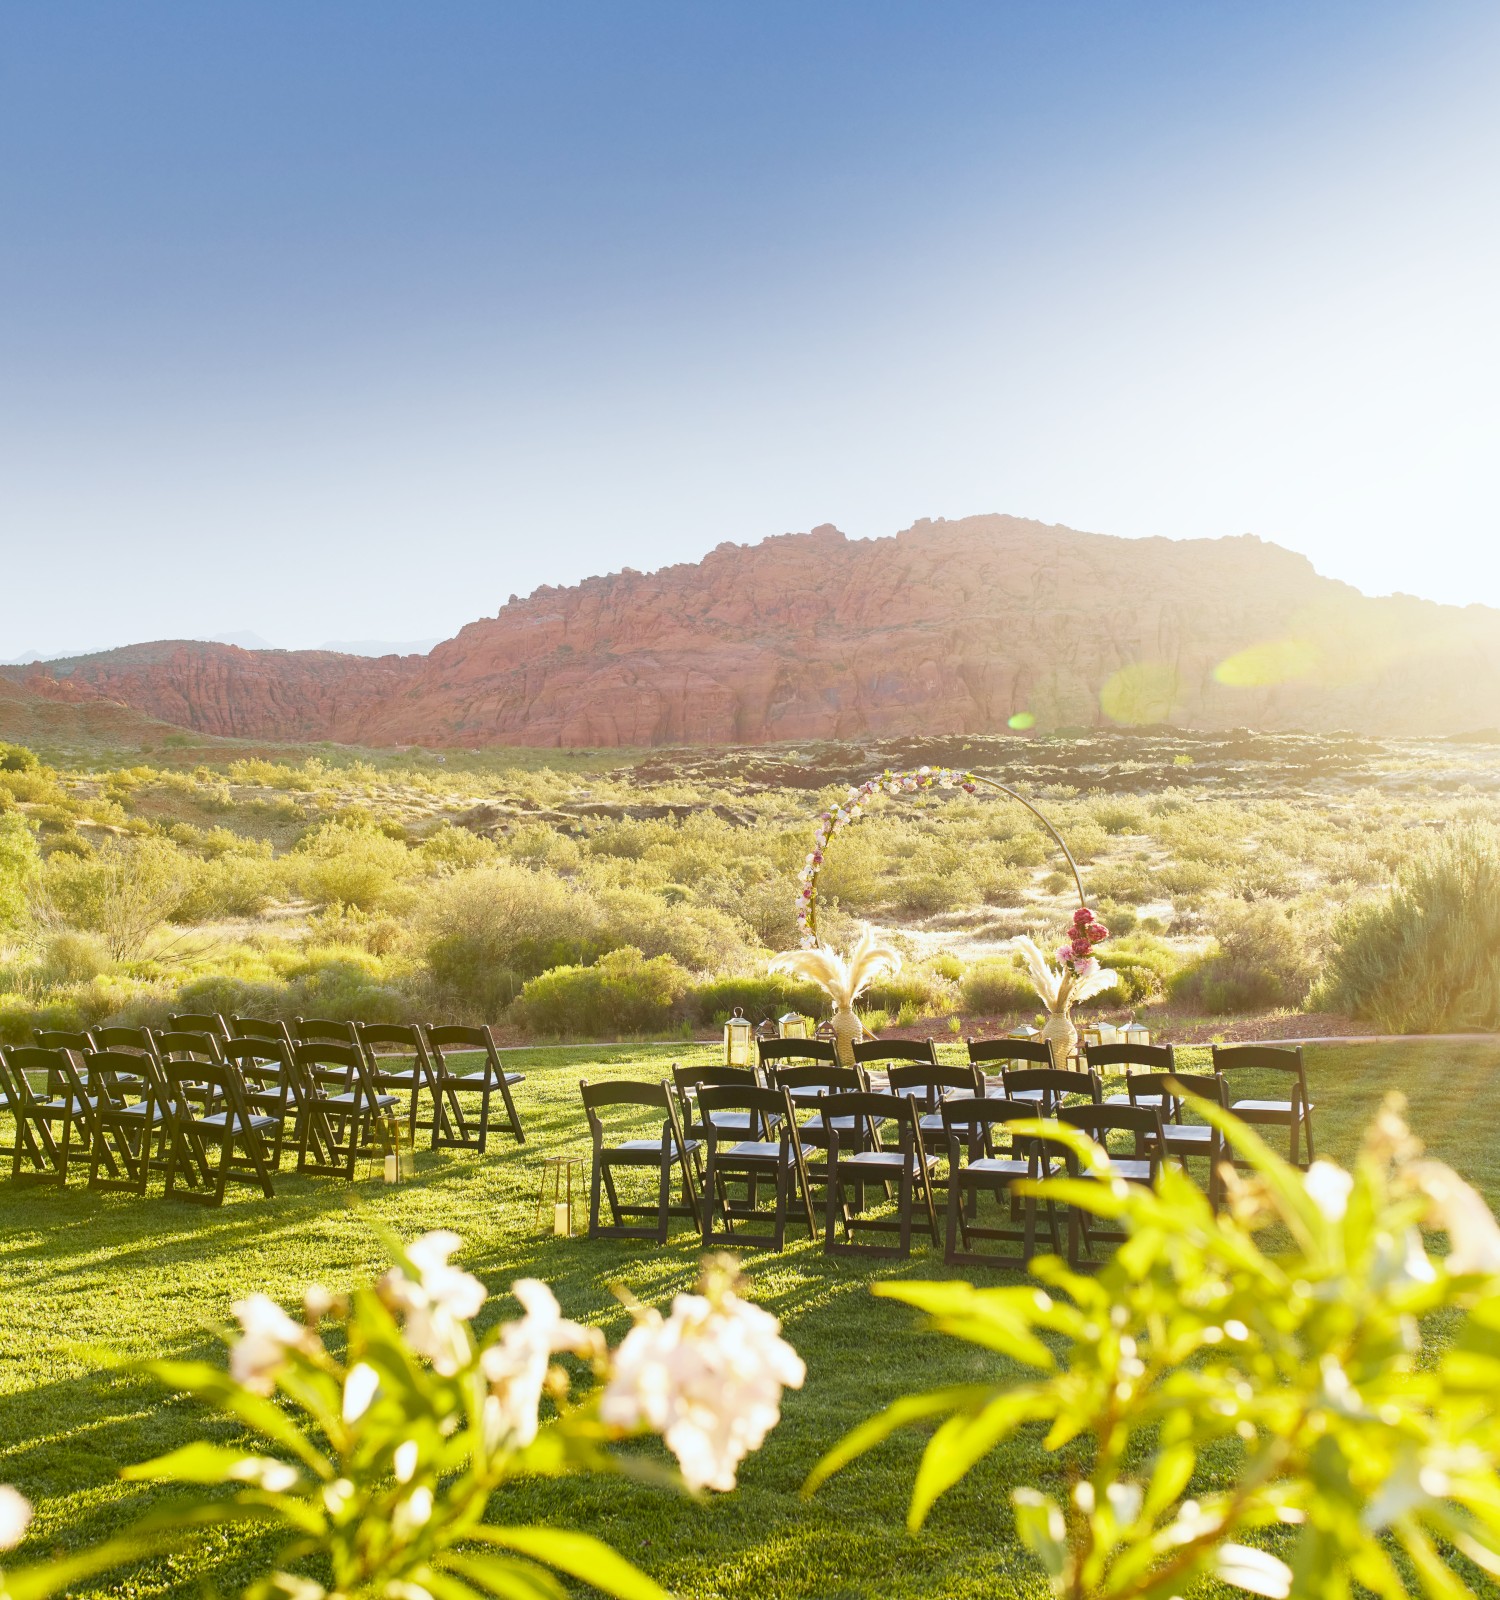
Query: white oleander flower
x,y
1328,1188
708,1379
15,1516
269,1333
361,1385
439,1302
516,1364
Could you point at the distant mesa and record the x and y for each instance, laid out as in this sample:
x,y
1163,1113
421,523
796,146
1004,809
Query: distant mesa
x,y
973,626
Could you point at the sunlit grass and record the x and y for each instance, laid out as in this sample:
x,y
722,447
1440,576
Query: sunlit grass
x,y
84,1274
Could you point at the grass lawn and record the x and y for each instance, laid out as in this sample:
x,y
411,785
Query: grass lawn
x,y
84,1274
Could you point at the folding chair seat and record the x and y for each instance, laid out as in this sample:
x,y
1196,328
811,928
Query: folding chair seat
x,y
751,1136
452,1129
877,1056
666,1153
343,1109
689,1080
1294,1114
1047,1088
273,1087
209,1022
853,1162
1181,1140
1144,1124
1158,1060
978,1167
398,1058
994,1056
60,1101
210,1114
133,1106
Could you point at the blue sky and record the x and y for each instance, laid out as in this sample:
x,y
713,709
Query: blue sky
x,y
347,321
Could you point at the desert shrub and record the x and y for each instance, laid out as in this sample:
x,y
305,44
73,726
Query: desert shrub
x,y
451,849
1118,814
122,892
759,995
34,785
17,758
352,865
73,958
622,993
698,937
1146,967
487,930
230,885
994,985
1259,959
1188,883
1425,957
916,990
20,866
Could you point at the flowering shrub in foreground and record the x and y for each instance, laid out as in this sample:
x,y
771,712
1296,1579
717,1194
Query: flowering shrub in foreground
x,y
1299,1373
379,1465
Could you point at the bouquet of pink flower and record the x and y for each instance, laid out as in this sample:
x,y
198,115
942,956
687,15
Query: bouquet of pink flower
x,y
1077,955
1077,975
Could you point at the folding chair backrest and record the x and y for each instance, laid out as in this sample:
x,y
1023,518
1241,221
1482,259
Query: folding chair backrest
x,y
775,1051
30,1061
171,1045
825,1076
927,1082
136,1040
1098,1122
452,1038
873,1106
988,1052
656,1096
259,1028
263,1058
1263,1057
868,1051
62,1039
760,1104
104,1069
330,1066
321,1030
390,1038
1054,1083
1169,1087
200,1022
1154,1057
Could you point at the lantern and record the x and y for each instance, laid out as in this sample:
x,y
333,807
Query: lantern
x,y
739,1040
793,1026
1135,1032
1026,1031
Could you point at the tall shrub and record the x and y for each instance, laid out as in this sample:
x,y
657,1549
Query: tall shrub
x,y
19,866
1426,958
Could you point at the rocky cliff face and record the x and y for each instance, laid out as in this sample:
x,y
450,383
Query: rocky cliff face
x,y
947,628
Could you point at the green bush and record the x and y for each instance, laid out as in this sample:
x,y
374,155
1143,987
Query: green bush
x,y
73,958
761,995
1259,960
1426,957
351,864
17,758
622,993
230,885
20,866
123,892
996,985
1146,967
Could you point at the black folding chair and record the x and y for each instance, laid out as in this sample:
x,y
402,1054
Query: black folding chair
x,y
751,1135
273,1086
62,1039
322,1030
175,1044
260,1028
1143,1124
1182,1140
9,1107
210,1115
877,1056
853,1163
1294,1114
399,1059
969,1129
808,1085
132,1107
452,1130
666,1153
61,1101
117,1038
930,1085
1158,1060
993,1056
346,1117
775,1053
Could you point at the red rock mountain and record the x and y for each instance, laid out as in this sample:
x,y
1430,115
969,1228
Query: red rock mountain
x,y
948,627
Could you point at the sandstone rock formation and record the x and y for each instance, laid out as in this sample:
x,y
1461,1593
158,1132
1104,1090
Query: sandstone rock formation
x,y
946,628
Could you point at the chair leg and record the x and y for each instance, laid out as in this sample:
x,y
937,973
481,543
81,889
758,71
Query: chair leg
x,y
663,1197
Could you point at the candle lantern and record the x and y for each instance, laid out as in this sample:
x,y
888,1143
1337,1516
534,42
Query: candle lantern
x,y
1135,1032
739,1040
794,1026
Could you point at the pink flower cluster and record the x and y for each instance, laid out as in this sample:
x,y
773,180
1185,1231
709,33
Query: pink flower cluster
x,y
852,809
1077,955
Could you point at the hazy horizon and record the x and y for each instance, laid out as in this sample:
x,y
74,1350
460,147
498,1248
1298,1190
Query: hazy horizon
x,y
324,322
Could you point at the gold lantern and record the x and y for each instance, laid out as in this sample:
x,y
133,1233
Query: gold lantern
x,y
793,1026
1135,1032
739,1040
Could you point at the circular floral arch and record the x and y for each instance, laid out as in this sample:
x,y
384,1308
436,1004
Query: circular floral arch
x,y
898,783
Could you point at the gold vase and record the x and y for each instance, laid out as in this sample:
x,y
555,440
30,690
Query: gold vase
x,y
847,1032
1061,1035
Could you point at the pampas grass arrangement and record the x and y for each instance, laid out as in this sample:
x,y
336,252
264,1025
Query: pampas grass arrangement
x,y
843,980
